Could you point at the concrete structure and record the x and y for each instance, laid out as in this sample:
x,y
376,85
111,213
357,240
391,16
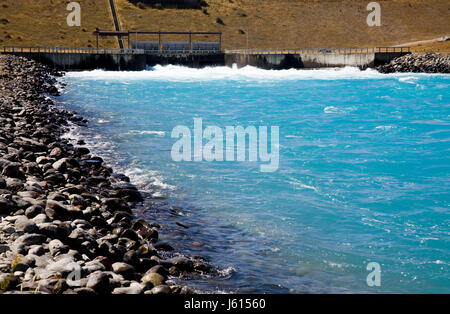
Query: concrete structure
x,y
163,45
76,59
145,45
69,59
313,58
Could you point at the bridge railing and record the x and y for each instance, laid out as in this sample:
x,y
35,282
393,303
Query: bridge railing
x,y
183,52
20,49
320,50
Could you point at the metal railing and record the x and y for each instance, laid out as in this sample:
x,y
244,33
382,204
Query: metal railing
x,y
320,50
20,49
189,52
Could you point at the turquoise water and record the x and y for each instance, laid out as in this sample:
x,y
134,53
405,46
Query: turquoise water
x,y
363,175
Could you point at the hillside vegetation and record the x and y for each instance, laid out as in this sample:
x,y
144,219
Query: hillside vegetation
x,y
44,23
260,23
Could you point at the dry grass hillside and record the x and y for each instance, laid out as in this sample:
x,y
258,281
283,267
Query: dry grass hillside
x,y
266,23
43,23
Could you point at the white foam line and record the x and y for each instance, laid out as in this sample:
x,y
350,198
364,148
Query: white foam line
x,y
184,74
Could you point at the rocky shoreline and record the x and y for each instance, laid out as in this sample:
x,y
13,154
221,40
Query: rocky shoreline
x,y
418,63
66,219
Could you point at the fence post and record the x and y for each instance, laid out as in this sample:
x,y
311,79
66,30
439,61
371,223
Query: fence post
x,y
160,43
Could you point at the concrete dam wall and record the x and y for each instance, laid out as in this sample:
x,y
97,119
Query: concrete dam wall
x,y
120,62
310,61
133,60
88,61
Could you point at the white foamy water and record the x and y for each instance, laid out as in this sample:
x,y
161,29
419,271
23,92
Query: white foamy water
x,y
174,73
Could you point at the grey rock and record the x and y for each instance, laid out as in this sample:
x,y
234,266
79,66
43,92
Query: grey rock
x,y
32,211
64,266
44,160
14,184
152,280
99,282
93,266
122,268
56,210
23,224
163,289
30,239
40,218
55,246
36,250
134,288
77,200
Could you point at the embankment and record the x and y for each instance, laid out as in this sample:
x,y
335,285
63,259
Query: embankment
x,y
67,221
418,63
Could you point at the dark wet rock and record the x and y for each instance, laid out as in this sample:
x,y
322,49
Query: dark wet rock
x,y
159,270
116,204
56,210
2,183
12,170
55,178
130,234
144,230
164,246
22,202
77,200
202,268
56,196
145,264
81,151
131,258
182,263
173,271
33,211
146,251
84,291
99,282
7,206
4,248
186,290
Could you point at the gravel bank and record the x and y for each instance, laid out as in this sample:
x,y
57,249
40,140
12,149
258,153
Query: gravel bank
x,y
418,63
66,219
